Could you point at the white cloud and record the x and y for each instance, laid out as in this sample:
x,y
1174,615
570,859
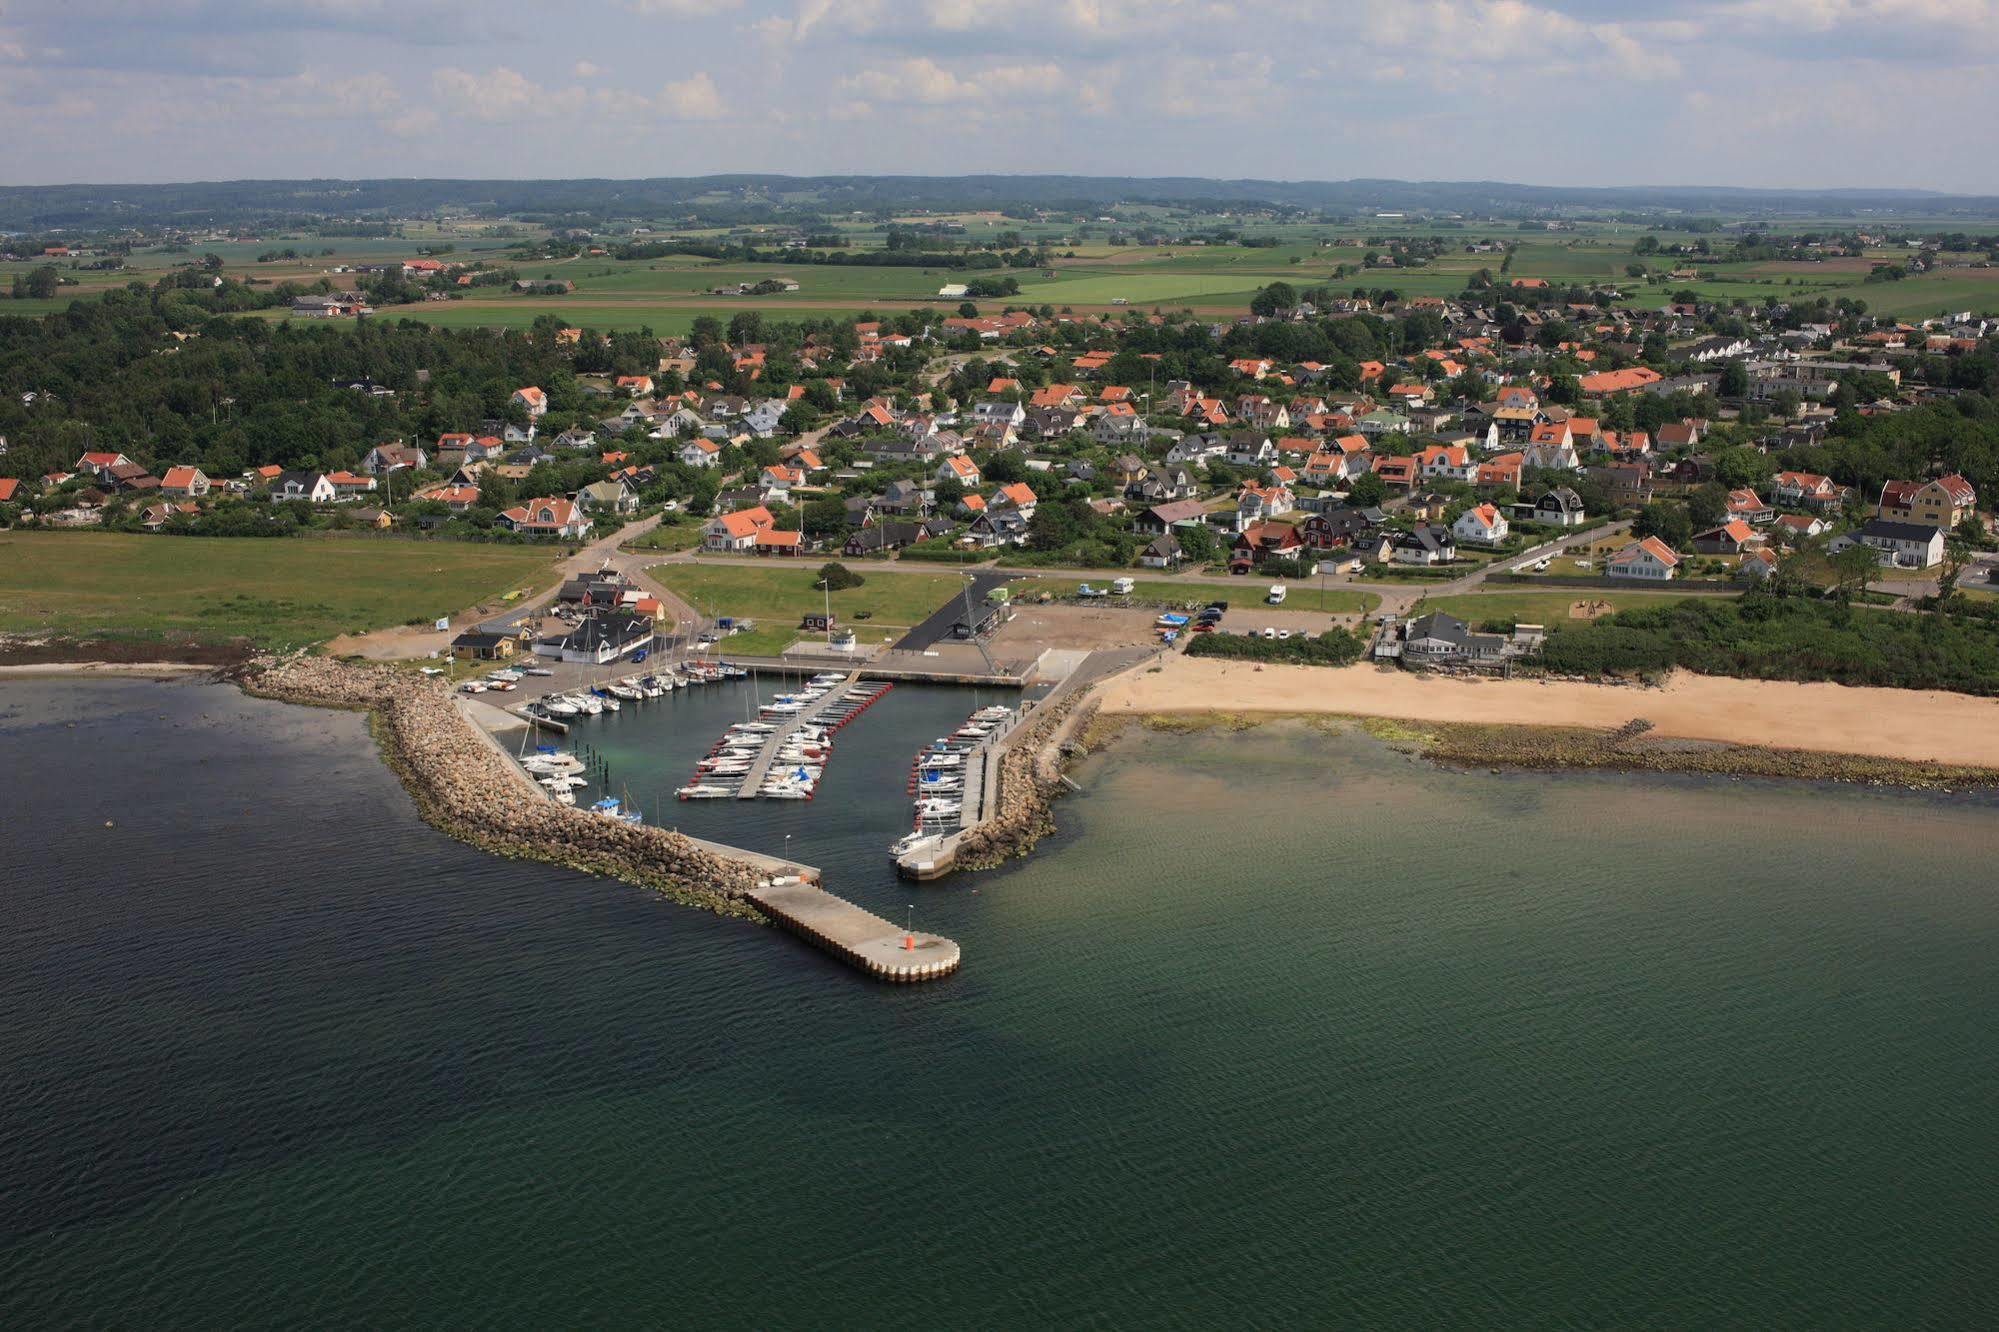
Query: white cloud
x,y
924,81
585,70
696,98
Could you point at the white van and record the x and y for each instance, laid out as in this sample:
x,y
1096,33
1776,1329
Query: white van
x,y
1277,594
1122,586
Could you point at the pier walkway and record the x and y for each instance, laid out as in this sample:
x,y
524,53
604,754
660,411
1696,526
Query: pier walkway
x,y
760,769
855,936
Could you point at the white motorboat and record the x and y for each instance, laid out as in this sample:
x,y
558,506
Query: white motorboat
x,y
705,791
559,708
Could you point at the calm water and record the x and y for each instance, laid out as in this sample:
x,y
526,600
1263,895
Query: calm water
x,y
1281,1029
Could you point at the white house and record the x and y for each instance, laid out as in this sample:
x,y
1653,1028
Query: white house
x,y
1482,525
1903,545
1650,559
701,453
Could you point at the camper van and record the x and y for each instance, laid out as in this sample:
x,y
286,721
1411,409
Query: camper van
x,y
1122,586
1276,594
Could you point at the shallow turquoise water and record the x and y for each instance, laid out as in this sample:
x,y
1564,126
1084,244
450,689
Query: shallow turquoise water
x,y
1280,1028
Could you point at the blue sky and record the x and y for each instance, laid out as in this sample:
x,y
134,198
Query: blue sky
x,y
1783,93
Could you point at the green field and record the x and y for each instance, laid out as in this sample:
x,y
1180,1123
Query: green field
x,y
668,293
779,596
1550,609
276,592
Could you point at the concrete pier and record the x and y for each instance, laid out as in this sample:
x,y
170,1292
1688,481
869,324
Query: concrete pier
x,y
858,937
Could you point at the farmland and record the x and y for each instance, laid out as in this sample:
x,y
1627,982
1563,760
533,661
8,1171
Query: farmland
x,y
274,593
667,293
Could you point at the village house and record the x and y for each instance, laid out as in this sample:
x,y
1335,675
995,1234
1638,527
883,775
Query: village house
x,y
189,482
1944,501
1162,518
1481,525
1899,544
1438,639
1425,543
1162,552
1749,507
958,468
701,453
611,496
392,457
1649,559
312,487
736,532
601,637
1559,506
1807,490
1731,538
547,516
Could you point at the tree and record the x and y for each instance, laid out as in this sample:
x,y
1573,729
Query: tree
x,y
1367,490
824,516
1276,299
1665,520
1852,568
1707,506
1734,380
1956,554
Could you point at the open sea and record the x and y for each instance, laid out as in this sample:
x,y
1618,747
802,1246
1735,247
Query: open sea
x,y
1282,1028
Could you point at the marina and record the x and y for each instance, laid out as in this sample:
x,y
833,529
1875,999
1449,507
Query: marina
x,y
952,782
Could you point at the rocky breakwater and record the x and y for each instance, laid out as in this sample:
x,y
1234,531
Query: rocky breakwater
x,y
1030,776
461,785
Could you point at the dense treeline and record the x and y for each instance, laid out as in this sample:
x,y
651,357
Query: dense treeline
x,y
1335,647
1766,637
234,393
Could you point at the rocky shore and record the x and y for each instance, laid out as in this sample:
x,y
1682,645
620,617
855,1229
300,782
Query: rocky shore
x,y
1030,776
1632,747
462,787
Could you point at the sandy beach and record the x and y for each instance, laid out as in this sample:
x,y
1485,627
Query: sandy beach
x,y
1827,718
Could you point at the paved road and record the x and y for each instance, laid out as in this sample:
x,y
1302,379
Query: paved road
x,y
945,618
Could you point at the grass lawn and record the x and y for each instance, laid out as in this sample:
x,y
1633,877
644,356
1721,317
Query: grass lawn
x,y
685,536
1544,608
777,597
279,592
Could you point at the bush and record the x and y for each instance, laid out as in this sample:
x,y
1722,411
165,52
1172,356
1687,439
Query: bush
x,y
837,578
940,552
1765,637
1335,647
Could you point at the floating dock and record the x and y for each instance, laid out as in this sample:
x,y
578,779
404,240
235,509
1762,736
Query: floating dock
x,y
855,936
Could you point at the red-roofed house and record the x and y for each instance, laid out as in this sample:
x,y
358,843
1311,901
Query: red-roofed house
x,y
1018,496
960,469
546,516
1481,525
533,399
184,481
736,531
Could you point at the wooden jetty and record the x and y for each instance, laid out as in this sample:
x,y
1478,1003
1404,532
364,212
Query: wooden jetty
x,y
855,936
760,769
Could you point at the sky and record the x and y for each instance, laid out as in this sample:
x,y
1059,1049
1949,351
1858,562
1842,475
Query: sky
x,y
1768,93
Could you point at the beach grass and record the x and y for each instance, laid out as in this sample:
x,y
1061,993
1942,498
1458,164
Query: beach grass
x,y
1551,609
279,592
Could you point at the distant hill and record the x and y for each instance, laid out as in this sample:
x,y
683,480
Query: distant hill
x,y
733,197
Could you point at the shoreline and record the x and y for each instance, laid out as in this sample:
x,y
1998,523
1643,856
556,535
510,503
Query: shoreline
x,y
106,670
1823,727
459,784
1515,747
